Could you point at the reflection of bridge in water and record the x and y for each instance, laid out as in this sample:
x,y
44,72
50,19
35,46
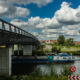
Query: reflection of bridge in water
x,y
9,36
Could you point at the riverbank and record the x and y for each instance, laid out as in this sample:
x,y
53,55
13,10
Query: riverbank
x,y
42,72
45,72
57,48
74,50
30,77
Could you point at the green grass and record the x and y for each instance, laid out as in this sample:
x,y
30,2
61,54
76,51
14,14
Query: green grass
x,y
75,50
26,77
70,49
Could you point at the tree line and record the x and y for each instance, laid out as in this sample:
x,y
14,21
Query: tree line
x,y
68,42
62,41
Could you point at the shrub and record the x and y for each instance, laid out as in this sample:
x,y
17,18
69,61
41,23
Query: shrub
x,y
56,50
66,71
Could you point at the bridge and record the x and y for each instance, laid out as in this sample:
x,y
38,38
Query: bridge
x,y
9,36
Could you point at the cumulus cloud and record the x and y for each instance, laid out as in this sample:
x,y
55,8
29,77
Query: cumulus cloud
x,y
10,11
67,15
7,8
38,2
3,9
66,21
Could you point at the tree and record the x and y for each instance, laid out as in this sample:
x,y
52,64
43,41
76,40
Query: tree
x,y
61,39
70,41
56,50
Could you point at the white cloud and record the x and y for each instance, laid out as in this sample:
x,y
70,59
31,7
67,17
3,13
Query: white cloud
x,y
53,31
18,12
65,21
7,8
38,2
3,9
22,12
67,14
13,12
18,22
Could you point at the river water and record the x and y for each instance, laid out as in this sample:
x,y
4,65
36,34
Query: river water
x,y
59,67
45,68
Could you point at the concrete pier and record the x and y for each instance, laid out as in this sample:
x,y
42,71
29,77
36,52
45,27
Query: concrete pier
x,y
33,48
5,60
19,48
27,50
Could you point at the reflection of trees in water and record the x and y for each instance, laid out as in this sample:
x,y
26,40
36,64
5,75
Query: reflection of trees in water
x,y
62,68
53,70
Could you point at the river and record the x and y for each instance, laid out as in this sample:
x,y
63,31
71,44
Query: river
x,y
59,67
45,68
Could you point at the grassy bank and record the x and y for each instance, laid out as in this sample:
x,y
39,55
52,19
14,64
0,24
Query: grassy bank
x,y
72,50
26,77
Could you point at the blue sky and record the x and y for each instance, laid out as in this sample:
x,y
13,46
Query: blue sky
x,y
46,19
48,10
45,11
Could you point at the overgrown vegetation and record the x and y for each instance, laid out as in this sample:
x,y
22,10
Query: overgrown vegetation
x,y
37,75
56,49
66,71
26,77
66,42
62,45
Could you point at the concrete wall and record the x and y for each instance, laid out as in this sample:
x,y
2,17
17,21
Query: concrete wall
x,y
33,48
5,60
27,50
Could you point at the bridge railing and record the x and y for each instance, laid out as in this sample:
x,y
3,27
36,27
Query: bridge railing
x,y
12,28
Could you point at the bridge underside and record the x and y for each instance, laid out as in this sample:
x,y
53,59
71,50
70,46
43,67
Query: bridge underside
x,y
10,38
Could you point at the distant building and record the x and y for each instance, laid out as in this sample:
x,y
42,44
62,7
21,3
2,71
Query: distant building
x,y
48,47
48,41
77,42
55,41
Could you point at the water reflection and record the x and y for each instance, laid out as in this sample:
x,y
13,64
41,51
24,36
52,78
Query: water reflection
x,y
59,67
77,65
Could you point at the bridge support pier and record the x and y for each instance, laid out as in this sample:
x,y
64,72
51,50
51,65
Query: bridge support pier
x,y
34,48
27,50
5,60
20,50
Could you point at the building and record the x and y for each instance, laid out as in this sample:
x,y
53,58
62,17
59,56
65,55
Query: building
x,y
77,42
48,41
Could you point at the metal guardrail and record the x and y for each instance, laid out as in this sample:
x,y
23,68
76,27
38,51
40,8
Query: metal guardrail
x,y
12,28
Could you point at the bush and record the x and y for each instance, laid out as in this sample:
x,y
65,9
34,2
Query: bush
x,y
56,50
37,72
66,71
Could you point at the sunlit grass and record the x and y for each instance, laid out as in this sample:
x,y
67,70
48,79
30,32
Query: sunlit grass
x,y
29,77
70,49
